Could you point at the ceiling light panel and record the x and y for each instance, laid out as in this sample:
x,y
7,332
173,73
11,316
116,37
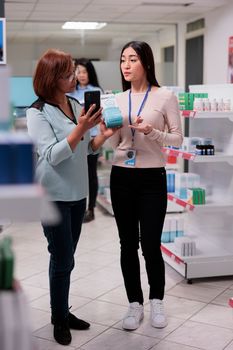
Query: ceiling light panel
x,y
84,25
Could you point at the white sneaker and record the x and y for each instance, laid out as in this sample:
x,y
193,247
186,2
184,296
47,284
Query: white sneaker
x,y
133,316
158,317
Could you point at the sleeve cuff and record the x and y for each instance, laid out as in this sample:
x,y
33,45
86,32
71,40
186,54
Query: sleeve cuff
x,y
153,135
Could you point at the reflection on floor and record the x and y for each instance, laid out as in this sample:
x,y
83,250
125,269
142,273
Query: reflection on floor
x,y
199,315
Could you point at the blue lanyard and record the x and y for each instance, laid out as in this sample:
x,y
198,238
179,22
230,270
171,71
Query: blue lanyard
x,y
140,108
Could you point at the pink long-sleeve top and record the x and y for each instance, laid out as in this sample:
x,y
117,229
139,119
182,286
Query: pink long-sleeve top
x,y
161,110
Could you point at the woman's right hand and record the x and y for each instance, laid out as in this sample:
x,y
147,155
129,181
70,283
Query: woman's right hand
x,y
88,120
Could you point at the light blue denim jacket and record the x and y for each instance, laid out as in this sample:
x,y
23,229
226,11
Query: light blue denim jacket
x,y
61,171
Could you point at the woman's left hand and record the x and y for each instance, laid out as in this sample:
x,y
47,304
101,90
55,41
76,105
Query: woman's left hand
x,y
140,126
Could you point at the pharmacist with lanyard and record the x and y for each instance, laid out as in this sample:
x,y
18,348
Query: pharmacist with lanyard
x,y
151,119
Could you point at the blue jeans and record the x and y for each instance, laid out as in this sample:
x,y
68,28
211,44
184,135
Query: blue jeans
x,y
62,242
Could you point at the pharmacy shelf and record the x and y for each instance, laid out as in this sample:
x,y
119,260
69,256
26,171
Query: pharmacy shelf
x,y
178,153
172,206
207,115
218,157
230,302
104,203
215,204
210,224
172,166
26,203
210,260
180,202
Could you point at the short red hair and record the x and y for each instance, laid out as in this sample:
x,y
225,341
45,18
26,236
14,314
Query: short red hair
x,y
52,65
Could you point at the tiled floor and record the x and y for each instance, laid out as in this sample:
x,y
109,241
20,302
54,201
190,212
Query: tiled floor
x,y
199,315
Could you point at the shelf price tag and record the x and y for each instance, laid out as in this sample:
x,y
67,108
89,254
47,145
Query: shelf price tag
x,y
188,114
180,202
178,153
171,255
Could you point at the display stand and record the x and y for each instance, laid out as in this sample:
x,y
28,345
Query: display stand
x,y
19,202
210,225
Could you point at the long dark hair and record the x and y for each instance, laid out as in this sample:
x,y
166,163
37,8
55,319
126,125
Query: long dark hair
x,y
92,76
146,57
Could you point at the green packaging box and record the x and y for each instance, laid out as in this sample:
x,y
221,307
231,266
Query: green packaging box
x,y
6,264
186,100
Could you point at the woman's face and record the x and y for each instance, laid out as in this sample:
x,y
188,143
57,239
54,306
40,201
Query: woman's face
x,y
82,75
131,66
67,82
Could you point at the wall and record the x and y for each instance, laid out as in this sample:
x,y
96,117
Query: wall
x,y
23,56
219,27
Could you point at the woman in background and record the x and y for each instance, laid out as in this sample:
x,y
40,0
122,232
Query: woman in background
x,y
87,80
151,119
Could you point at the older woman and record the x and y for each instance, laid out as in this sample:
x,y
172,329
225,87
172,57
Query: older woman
x,y
58,125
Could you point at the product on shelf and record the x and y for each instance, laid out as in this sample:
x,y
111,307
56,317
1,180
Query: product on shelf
x,y
6,264
212,105
185,246
186,99
173,227
184,181
197,195
16,159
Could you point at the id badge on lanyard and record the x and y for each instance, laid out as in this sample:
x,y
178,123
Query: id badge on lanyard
x,y
131,153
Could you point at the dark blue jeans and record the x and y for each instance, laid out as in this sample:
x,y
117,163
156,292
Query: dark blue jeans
x,y
139,201
62,242
92,160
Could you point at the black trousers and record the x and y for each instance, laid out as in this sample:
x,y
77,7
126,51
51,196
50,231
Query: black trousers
x,y
139,201
92,160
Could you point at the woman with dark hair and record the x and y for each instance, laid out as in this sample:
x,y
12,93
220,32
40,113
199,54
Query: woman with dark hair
x,y
138,178
87,80
58,125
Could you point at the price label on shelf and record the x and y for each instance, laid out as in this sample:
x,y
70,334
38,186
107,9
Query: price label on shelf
x,y
188,114
171,255
230,302
180,202
178,153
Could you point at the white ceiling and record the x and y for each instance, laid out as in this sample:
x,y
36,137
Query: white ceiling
x,y
41,20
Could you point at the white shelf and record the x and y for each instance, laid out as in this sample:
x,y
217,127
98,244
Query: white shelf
x,y
215,204
218,157
103,202
208,115
214,115
210,224
210,260
26,203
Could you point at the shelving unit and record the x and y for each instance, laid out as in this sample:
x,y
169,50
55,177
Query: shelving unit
x,y
210,225
106,204
18,203
26,203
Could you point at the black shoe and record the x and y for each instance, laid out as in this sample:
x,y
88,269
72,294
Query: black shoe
x,y
89,215
76,323
61,332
